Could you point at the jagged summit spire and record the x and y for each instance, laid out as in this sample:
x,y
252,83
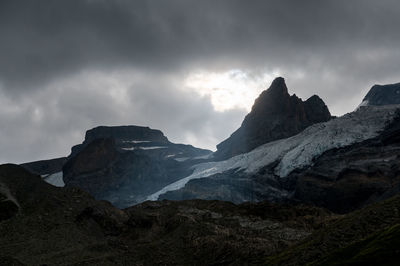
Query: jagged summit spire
x,y
279,81
278,85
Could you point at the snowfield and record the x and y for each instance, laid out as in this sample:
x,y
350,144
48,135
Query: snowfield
x,y
299,151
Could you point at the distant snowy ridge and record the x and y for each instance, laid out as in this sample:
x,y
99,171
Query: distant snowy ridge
x,y
299,151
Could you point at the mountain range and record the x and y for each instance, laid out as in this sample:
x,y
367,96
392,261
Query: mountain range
x,y
286,150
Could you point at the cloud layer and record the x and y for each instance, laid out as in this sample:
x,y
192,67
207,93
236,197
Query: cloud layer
x,y
66,66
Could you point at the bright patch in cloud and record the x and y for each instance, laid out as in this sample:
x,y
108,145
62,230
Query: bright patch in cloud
x,y
231,89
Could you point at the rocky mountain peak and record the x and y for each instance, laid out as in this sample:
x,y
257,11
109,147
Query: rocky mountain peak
x,y
274,115
273,97
315,107
278,85
383,95
125,164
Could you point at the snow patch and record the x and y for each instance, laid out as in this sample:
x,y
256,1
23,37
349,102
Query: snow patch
x,y
55,179
207,156
153,148
182,159
136,141
145,148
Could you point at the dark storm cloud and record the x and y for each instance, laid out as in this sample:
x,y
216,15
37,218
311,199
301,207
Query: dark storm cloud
x,y
337,49
41,39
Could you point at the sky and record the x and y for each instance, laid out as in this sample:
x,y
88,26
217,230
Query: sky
x,y
189,68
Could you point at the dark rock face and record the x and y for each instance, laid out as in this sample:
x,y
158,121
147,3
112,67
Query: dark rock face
x,y
45,167
348,178
275,115
124,167
383,95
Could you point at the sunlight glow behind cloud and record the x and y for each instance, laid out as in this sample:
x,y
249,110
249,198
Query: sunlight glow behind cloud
x,y
232,89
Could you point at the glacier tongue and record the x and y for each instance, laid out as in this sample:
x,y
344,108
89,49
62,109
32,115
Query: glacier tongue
x,y
299,151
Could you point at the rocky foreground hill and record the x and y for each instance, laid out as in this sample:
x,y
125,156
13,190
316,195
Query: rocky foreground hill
x,y
44,225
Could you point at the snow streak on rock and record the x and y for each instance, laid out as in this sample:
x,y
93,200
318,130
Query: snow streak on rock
x,y
5,191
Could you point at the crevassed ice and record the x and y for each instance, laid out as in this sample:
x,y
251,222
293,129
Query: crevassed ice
x,y
300,150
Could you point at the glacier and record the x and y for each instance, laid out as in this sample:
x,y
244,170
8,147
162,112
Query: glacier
x,y
299,151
